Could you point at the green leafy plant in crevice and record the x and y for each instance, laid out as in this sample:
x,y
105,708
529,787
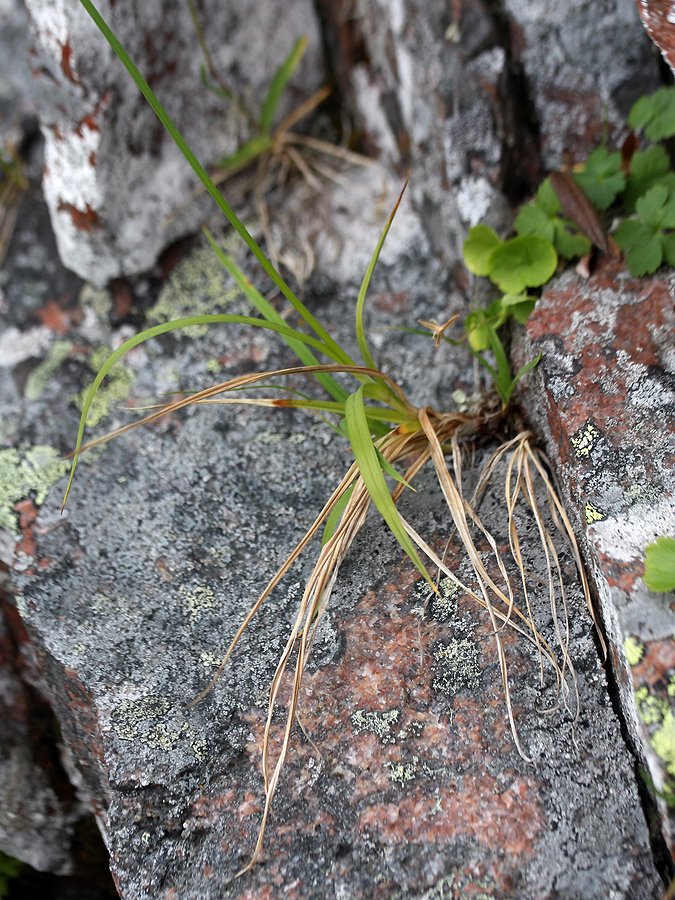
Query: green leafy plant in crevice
x,y
392,441
631,190
13,183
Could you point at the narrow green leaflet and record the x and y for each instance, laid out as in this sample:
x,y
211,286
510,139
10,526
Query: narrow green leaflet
x,y
266,309
655,114
335,515
245,154
646,239
365,283
602,179
660,565
648,168
366,458
522,262
279,83
478,247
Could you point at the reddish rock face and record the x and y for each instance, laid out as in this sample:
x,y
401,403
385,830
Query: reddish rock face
x,y
658,17
604,396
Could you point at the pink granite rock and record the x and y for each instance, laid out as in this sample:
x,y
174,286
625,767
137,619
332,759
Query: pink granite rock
x,y
604,397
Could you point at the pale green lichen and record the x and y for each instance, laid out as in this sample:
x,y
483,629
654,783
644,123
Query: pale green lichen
x,y
583,441
400,772
198,286
634,650
98,299
28,472
377,723
130,714
459,667
41,375
113,392
443,605
199,599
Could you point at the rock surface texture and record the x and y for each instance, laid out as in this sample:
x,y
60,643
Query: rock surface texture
x,y
604,396
403,779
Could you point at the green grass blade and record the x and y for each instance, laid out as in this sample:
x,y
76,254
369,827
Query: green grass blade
x,y
335,515
205,178
278,85
266,310
363,290
366,458
246,153
164,328
522,372
388,469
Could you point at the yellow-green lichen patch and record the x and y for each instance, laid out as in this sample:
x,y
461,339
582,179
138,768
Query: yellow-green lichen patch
x,y
592,514
24,473
199,599
634,650
458,666
652,709
197,286
584,440
98,299
663,741
41,375
113,392
129,715
378,723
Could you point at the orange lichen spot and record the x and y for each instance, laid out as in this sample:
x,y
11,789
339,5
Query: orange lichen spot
x,y
86,219
67,63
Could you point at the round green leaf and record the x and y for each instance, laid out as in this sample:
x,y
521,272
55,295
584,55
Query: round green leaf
x,y
660,565
478,246
522,262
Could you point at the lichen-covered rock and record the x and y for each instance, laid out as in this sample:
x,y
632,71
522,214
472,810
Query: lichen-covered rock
x,y
604,397
403,779
118,189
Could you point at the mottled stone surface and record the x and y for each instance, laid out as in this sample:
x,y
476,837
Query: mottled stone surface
x,y
118,189
604,396
658,17
410,785
39,811
585,63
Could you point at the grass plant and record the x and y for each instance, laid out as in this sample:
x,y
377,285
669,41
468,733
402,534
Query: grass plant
x,y
392,440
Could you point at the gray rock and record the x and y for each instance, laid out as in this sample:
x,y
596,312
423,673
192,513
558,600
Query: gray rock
x,y
605,412
118,189
410,784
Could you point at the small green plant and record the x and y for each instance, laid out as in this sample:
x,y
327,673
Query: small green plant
x,y
660,565
9,870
